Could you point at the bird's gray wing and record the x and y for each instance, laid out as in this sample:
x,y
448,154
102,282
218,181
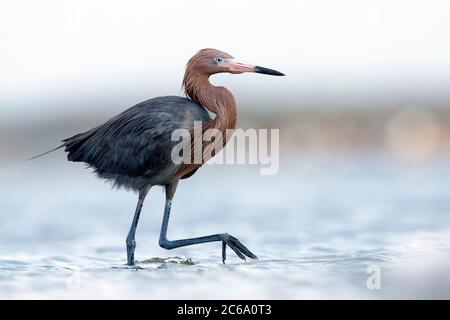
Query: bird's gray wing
x,y
138,141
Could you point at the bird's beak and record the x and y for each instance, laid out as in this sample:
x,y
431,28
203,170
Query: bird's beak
x,y
238,66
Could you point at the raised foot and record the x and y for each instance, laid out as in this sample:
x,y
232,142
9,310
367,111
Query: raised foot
x,y
236,246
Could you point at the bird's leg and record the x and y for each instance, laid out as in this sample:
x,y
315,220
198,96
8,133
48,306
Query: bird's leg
x,y
131,242
226,239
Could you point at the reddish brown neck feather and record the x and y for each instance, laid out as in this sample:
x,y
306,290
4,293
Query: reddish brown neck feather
x,y
216,99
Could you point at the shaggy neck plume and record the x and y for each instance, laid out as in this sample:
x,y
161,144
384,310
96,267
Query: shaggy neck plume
x,y
218,100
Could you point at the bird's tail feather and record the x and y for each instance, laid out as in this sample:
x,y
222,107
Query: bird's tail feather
x,y
72,145
43,154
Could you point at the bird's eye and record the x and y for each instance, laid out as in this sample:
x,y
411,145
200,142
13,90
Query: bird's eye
x,y
218,60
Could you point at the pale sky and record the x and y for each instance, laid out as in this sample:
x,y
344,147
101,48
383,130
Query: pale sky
x,y
105,46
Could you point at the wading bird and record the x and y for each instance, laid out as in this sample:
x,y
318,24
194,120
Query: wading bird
x,y
133,149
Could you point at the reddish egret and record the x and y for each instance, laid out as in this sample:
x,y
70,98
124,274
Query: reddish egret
x,y
133,149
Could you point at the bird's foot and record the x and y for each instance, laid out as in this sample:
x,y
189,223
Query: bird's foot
x,y
236,246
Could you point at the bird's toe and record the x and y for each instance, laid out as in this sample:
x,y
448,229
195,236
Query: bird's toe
x,y
240,250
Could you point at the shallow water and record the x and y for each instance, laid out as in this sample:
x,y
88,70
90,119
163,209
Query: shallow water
x,y
316,228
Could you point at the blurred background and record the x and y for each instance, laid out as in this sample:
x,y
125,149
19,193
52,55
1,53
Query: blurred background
x,y
364,119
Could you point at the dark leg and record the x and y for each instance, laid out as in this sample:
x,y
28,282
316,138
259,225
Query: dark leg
x,y
226,239
131,243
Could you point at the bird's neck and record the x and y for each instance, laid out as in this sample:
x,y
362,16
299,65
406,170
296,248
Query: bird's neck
x,y
221,102
216,99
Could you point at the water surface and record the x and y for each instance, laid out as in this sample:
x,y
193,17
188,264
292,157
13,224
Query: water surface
x,y
316,227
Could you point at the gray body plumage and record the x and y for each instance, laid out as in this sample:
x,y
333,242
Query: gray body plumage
x,y
133,149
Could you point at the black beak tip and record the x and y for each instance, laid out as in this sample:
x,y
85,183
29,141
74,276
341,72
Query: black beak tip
x,y
259,69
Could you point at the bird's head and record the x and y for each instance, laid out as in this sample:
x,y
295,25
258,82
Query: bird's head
x,y
212,61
